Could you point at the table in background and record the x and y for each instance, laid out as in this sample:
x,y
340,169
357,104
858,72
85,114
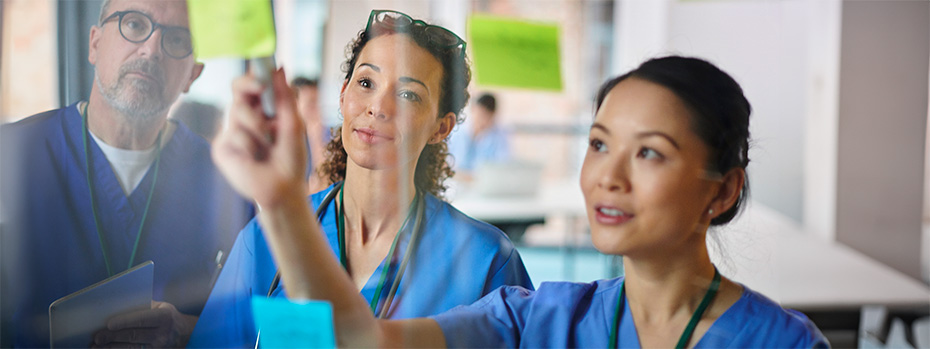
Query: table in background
x,y
829,281
558,198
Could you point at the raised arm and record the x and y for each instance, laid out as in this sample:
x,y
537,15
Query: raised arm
x,y
265,159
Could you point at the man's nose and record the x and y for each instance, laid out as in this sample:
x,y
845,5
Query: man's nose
x,y
151,47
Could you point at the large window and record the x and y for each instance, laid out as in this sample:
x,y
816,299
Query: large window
x,y
27,85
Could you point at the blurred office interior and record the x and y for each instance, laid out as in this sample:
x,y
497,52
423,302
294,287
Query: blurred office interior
x,y
839,225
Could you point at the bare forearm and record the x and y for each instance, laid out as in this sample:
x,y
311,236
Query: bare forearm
x,y
309,271
411,333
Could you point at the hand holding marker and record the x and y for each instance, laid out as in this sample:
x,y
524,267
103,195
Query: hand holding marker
x,y
262,68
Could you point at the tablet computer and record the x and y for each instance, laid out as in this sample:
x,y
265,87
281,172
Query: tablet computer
x,y
73,319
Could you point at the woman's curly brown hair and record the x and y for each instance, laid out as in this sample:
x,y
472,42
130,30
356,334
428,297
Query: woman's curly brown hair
x,y
432,165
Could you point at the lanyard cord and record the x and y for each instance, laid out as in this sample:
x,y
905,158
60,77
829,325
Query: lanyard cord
x,y
93,205
414,239
340,209
340,229
695,318
403,266
320,212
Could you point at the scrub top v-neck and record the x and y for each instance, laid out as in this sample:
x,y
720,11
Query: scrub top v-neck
x,y
458,260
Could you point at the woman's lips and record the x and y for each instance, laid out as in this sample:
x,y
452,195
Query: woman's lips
x,y
371,136
610,215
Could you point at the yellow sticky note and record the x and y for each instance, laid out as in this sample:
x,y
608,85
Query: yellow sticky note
x,y
515,53
232,28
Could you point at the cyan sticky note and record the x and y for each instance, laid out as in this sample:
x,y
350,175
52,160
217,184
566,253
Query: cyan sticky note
x,y
285,324
515,53
224,28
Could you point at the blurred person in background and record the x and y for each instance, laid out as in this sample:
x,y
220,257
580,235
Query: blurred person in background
x,y
318,135
407,251
481,140
99,186
202,118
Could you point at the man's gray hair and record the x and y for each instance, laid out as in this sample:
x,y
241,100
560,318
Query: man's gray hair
x,y
103,11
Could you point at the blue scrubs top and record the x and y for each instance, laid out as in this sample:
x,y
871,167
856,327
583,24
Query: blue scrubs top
x,y
565,314
457,261
49,243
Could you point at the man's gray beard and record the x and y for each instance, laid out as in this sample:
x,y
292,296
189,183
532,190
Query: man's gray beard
x,y
138,100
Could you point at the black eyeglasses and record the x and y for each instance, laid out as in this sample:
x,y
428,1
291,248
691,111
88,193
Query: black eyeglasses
x,y
398,21
137,27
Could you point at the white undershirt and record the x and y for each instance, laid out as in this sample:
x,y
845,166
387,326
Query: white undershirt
x,y
130,166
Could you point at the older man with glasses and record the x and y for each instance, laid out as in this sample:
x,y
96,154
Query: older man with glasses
x,y
99,186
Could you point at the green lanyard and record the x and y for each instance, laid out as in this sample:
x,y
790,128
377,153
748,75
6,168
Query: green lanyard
x,y
695,318
340,231
93,205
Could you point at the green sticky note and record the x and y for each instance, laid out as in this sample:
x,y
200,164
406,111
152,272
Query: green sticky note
x,y
285,324
231,28
515,53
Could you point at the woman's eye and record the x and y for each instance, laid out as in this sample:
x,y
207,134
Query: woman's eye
x,y
597,145
649,154
364,82
409,95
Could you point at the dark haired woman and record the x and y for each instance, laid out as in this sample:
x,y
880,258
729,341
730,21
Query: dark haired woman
x,y
667,159
406,251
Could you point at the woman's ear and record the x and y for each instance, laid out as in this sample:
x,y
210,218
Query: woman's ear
x,y
342,92
731,186
446,123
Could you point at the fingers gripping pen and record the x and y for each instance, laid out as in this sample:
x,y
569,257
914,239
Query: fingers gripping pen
x,y
262,68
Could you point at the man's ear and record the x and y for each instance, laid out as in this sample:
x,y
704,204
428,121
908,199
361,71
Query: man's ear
x,y
95,34
195,73
446,123
728,192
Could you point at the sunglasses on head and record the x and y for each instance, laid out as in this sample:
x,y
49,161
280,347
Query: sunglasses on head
x,y
400,22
